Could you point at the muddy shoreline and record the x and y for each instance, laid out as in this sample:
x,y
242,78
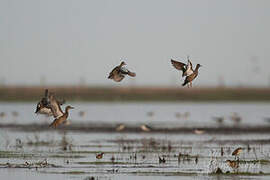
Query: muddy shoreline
x,y
135,93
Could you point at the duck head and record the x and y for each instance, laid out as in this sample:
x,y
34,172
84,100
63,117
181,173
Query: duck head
x,y
123,63
69,107
198,66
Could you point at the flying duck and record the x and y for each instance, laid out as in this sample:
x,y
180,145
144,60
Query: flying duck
x,y
59,115
43,105
119,73
237,151
185,68
191,77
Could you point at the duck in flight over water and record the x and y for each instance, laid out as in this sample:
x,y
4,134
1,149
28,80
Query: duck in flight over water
x,y
43,105
186,69
59,115
119,73
191,77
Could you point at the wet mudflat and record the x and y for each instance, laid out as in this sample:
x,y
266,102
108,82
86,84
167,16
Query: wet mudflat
x,y
192,154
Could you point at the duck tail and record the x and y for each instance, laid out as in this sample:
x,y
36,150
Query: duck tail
x,y
184,83
110,76
132,74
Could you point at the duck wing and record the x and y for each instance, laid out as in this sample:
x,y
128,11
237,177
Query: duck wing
x,y
114,72
125,71
45,99
179,65
55,107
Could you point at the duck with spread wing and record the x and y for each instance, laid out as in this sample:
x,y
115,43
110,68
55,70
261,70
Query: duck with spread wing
x,y
119,73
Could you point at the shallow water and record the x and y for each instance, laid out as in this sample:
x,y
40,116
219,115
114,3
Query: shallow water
x,y
72,155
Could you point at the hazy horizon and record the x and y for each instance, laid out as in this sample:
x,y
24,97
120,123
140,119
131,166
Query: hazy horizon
x,y
70,42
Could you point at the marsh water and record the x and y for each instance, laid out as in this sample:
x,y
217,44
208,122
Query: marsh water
x,y
63,154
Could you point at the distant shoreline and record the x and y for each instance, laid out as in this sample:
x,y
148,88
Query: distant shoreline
x,y
111,94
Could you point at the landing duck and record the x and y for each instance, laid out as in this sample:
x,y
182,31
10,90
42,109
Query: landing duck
x,y
119,73
59,115
186,69
191,77
43,105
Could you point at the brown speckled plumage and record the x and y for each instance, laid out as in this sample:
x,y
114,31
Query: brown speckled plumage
x,y
118,73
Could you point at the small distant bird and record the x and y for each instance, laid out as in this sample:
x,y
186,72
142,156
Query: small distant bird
x,y
237,151
150,113
197,131
119,73
100,155
81,113
2,114
15,113
121,127
161,160
191,77
184,115
233,164
145,128
196,160
59,115
248,148
112,158
236,118
221,151
185,68
219,120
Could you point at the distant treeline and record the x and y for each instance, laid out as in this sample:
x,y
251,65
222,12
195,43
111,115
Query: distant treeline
x,y
83,93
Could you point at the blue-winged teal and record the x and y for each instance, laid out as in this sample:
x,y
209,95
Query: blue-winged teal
x,y
237,151
100,156
191,77
186,69
59,115
43,105
161,160
119,73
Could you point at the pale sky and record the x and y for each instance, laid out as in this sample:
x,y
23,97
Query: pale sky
x,y
66,40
